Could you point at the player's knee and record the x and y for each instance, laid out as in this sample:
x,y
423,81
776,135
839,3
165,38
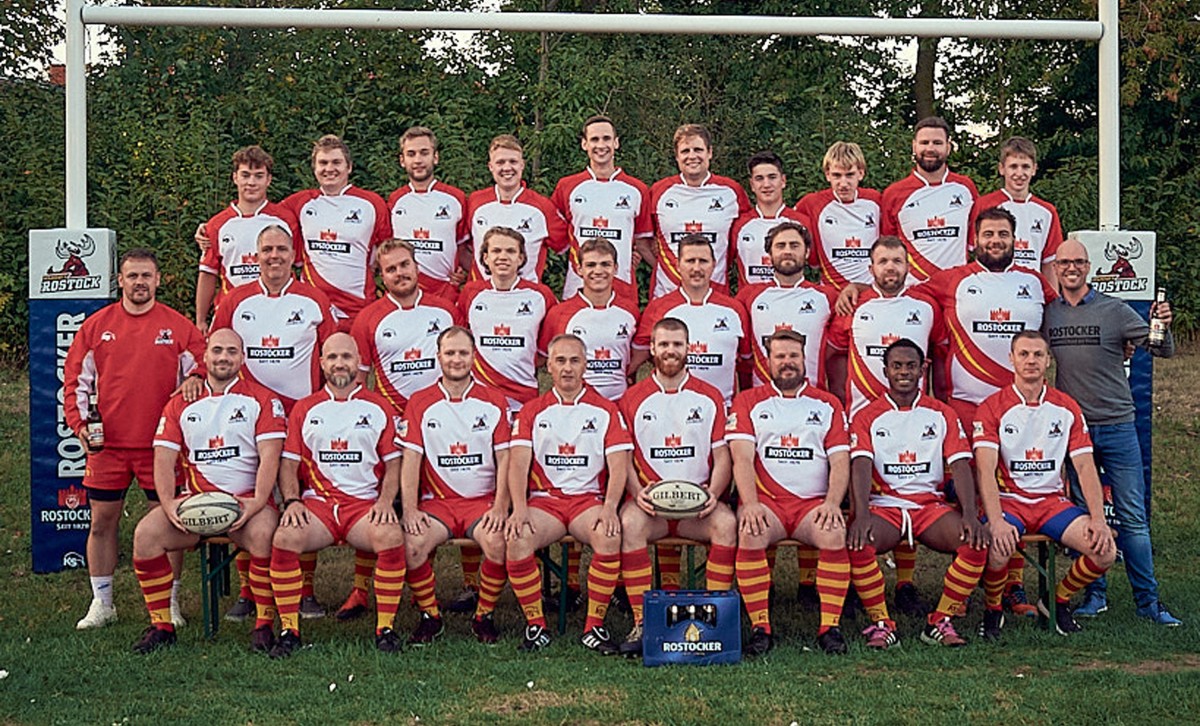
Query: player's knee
x,y
1106,560
104,522
722,527
145,541
634,526
995,560
753,541
603,544
492,544
288,538
388,537
518,549
830,539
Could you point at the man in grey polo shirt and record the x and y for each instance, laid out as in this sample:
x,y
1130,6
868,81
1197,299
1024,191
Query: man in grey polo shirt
x,y
1088,333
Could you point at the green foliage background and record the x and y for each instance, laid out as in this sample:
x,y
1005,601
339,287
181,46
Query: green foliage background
x,y
169,106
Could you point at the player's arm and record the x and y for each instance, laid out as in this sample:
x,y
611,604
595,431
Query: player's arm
x,y
722,472
859,534
206,290
201,237
847,299
164,482
752,514
494,519
973,532
264,480
294,513
829,514
618,465
384,509
412,518
1099,536
1004,535
836,364
520,459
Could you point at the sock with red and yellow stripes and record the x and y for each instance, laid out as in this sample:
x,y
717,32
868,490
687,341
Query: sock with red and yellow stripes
x,y
389,586
601,581
242,563
961,578
718,572
574,563
806,561
1016,568
868,582
833,580
1083,571
635,569
422,581
771,552
668,557
527,586
260,589
754,582
287,583
905,557
364,570
993,587
308,566
472,558
154,576
491,582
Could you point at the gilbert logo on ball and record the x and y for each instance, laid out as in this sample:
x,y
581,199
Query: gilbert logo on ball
x,y
677,499
209,513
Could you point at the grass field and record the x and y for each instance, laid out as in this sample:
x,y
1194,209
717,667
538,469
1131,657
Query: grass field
x,y
1120,670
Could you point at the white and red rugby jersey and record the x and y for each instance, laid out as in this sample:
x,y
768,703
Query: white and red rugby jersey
x,y
1033,440
910,449
607,333
401,343
932,219
457,438
875,324
132,364
281,334
507,326
983,310
218,435
616,209
341,232
1039,232
718,334
674,432
343,446
233,253
570,442
804,307
749,234
679,210
842,234
435,223
529,213
793,437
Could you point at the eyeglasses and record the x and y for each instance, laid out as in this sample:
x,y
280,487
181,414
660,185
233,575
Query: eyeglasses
x,y
1072,263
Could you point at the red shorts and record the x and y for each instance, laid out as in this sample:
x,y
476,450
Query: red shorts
x,y
565,508
1049,516
458,514
112,470
921,519
339,517
793,510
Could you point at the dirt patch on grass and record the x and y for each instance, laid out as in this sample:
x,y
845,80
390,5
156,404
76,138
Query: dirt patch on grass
x,y
534,700
1146,667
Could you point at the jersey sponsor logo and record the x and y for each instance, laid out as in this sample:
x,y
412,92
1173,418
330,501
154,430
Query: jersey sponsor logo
x,y
502,337
339,453
698,355
789,449
421,241
1034,462
999,322
603,361
458,457
1074,335
672,448
907,465
936,232
296,317
411,365
270,350
244,270
566,458
710,236
165,337
877,351
851,253
600,230
340,248
763,269
217,453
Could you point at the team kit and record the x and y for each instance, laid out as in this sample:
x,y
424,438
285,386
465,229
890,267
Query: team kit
x,y
900,400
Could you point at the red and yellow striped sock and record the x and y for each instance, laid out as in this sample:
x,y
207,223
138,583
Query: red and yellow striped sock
x,y
364,570
242,562
603,573
635,568
833,580
471,557
668,557
868,582
423,584
961,578
771,552
389,586
905,557
1083,571
754,582
574,563
260,590
491,582
154,576
287,583
718,572
806,561
1016,569
527,586
308,566
993,587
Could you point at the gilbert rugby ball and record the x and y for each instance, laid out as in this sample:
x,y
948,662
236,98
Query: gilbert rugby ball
x,y
209,513
677,499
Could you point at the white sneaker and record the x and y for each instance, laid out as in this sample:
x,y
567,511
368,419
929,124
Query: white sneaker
x,y
98,615
177,618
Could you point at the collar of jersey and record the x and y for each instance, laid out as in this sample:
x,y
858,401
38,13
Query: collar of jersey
x,y
778,215
614,175
845,204
573,401
1021,396
465,393
349,396
896,406
416,303
496,188
612,296
517,284
340,193
798,284
688,299
687,376
414,190
209,389
799,391
255,213
945,175
282,291
701,184
1014,200
979,264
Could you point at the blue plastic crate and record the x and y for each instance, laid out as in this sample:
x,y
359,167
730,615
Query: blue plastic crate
x,y
692,627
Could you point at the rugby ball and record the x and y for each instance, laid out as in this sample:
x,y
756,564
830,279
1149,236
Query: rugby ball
x,y
208,513
677,499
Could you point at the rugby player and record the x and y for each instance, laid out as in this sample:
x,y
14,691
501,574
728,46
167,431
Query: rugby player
x,y
767,183
844,219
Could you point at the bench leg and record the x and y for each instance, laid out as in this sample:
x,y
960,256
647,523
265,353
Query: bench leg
x,y
1046,582
215,561
552,568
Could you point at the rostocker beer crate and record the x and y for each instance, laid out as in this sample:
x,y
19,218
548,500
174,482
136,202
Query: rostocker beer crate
x,y
694,627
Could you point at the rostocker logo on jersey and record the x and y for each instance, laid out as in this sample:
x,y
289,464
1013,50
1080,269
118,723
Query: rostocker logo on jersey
x,y
852,249
789,449
600,228
327,241
698,355
459,457
602,361
763,269
566,458
217,451
421,241
936,228
877,351
412,362
672,448
339,453
907,465
692,228
502,337
999,322
270,350
1034,462
247,266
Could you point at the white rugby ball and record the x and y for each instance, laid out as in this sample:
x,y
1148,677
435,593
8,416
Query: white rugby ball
x,y
677,499
209,513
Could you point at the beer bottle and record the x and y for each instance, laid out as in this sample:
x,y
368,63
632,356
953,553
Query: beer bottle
x,y
1158,328
94,427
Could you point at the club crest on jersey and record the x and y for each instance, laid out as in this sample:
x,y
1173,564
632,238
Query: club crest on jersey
x,y
480,423
806,307
164,337
622,202
870,221
715,205
525,308
433,328
929,433
1055,429
443,212
364,422
1023,293
238,415
814,418
623,330
956,200
355,216
525,225
694,416
296,317
589,427
721,324
914,318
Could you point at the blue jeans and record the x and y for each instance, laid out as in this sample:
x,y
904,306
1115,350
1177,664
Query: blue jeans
x,y
1118,454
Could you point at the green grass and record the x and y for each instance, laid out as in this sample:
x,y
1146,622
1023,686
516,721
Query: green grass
x,y
1120,670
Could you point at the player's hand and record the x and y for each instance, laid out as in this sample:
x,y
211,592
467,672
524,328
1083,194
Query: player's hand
x,y
295,515
493,520
250,507
644,503
829,517
973,533
752,518
415,522
190,389
383,513
847,300
609,522
83,441
518,521
202,240
202,326
708,508
1099,536
1129,349
170,508
635,259
860,533
1005,537
457,276
1162,311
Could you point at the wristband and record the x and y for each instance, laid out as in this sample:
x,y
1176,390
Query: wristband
x,y
289,502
